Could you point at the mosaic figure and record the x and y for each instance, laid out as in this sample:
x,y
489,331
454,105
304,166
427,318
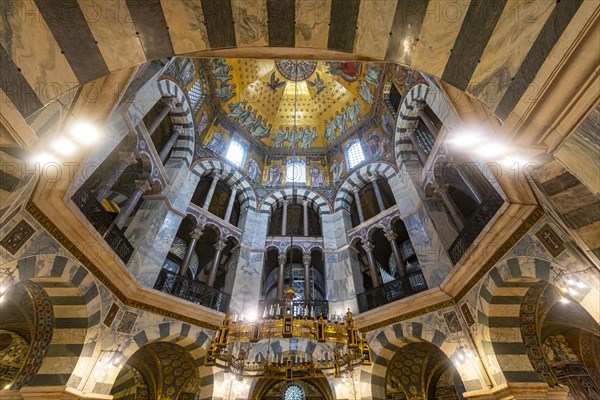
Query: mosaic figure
x,y
217,143
253,170
317,180
318,83
275,176
280,137
337,169
372,75
365,92
330,130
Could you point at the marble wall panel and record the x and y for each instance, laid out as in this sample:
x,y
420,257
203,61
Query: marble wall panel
x,y
372,39
28,40
312,23
250,18
185,21
114,31
246,286
442,23
519,24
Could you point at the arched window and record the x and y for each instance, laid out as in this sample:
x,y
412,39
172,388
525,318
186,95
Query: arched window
x,y
197,94
293,392
354,153
236,153
295,171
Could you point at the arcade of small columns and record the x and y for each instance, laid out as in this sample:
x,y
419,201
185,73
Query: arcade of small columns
x,y
128,157
438,183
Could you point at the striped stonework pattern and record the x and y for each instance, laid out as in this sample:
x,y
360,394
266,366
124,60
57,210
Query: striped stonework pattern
x,y
181,115
499,312
408,119
360,178
192,338
231,177
77,313
473,47
390,340
315,200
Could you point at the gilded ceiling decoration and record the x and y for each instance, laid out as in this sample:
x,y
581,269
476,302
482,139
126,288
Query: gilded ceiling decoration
x,y
302,104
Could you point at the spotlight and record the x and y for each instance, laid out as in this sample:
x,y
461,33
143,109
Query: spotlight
x,y
63,146
84,132
564,300
490,150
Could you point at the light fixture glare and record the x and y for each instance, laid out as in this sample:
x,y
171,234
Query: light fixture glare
x,y
63,146
84,132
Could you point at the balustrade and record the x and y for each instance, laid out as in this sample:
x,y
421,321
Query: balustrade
x,y
481,217
395,290
300,308
188,289
85,200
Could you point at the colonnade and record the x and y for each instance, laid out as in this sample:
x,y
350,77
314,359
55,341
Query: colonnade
x,y
369,248
284,216
219,245
216,177
306,261
377,190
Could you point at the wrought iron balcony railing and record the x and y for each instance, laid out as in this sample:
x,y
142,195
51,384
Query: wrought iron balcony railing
x,y
315,308
392,291
103,223
481,217
188,289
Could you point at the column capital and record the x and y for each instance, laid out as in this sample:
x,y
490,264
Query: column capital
x,y
411,131
356,189
169,101
440,188
220,245
143,185
373,178
368,246
285,202
234,188
216,175
390,234
282,259
419,105
197,232
306,258
128,156
304,202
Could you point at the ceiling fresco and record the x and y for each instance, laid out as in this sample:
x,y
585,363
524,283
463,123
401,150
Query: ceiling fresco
x,y
330,98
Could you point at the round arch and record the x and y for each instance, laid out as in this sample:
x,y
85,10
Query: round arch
x,y
272,198
83,313
360,178
507,283
134,39
181,114
231,177
388,341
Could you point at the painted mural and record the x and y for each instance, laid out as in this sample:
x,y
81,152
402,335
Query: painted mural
x,y
295,104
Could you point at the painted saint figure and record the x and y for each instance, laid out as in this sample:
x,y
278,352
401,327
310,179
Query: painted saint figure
x,y
337,169
217,143
317,180
280,137
365,92
253,170
275,176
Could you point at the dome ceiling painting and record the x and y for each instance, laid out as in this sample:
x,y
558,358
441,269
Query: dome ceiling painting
x,y
331,99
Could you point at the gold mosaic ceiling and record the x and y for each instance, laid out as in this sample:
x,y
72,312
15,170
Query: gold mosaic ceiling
x,y
330,98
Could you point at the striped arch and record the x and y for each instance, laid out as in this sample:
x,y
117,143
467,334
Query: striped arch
x,y
272,198
231,176
390,340
192,338
76,321
498,311
181,115
358,179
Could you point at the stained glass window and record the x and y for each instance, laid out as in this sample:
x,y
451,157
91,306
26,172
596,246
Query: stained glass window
x,y
196,95
293,392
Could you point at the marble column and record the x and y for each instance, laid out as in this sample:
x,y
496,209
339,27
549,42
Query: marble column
x,y
284,218
306,262
377,193
281,277
400,264
211,191
161,116
219,246
126,158
419,107
368,246
227,216
361,215
164,153
194,236
442,190
305,216
412,135
141,186
469,183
